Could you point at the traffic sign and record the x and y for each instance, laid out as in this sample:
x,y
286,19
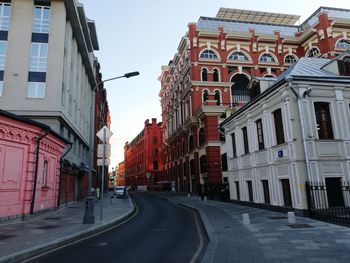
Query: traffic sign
x,y
108,134
100,162
100,150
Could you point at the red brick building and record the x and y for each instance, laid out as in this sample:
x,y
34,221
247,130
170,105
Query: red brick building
x,y
143,158
208,78
121,174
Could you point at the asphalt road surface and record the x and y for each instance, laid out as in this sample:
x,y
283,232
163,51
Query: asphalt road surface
x,y
160,232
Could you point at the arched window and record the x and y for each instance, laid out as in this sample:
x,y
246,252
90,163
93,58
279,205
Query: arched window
x,y
201,136
290,59
239,89
323,120
208,54
204,74
205,96
313,52
238,56
343,43
216,75
203,164
218,97
344,66
267,58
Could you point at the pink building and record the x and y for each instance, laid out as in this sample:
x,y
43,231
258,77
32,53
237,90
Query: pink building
x,y
30,155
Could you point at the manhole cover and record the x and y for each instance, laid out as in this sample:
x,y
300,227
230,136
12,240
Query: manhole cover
x,y
278,217
299,226
47,227
3,237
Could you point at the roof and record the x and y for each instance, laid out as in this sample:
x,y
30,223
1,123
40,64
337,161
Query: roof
x,y
32,122
332,13
210,23
257,16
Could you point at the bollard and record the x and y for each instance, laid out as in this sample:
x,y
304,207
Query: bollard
x,y
199,198
188,195
245,219
291,218
205,198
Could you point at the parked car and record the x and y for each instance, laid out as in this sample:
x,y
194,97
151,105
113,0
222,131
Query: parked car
x,y
130,188
120,191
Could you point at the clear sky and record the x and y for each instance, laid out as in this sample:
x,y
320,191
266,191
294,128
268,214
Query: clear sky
x,y
143,35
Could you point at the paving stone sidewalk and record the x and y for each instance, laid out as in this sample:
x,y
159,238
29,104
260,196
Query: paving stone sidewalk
x,y
19,240
268,238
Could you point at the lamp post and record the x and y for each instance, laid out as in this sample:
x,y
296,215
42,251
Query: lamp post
x,y
89,217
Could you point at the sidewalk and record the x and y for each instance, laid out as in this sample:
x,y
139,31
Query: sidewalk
x,y
268,238
20,240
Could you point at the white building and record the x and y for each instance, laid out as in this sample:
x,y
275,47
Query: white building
x,y
47,67
296,129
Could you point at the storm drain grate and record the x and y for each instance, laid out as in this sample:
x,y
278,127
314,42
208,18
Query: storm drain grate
x,y
278,217
47,227
3,237
299,226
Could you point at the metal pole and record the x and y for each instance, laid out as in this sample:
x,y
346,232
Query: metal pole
x,y
103,169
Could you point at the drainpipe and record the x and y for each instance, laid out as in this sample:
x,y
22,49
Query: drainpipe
x,y
302,124
36,167
70,145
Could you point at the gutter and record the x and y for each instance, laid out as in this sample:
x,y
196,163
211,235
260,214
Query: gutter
x,y
70,145
38,140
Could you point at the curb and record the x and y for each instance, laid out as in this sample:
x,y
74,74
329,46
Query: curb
x,y
28,253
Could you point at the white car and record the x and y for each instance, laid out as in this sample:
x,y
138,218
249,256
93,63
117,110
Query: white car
x,y
120,191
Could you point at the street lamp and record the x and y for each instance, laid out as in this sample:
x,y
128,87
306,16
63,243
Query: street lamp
x,y
89,216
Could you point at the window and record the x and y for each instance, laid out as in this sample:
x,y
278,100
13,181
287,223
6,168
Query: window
x,y
265,184
3,49
204,74
201,136
190,143
215,75
290,59
234,151
313,52
192,170
323,120
277,116
344,66
154,139
218,97
239,90
203,164
259,130
205,96
266,58
224,162
245,140
41,20
237,190
155,152
239,56
343,43
208,54
250,191
44,175
38,57
36,90
155,165
5,11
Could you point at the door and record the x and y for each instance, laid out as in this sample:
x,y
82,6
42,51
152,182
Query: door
x,y
287,197
334,192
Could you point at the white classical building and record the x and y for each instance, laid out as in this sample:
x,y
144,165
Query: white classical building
x,y
295,129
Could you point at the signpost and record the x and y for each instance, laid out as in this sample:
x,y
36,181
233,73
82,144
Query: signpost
x,y
104,134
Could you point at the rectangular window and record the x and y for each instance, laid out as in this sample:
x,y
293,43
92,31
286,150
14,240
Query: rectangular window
x,y
224,162
38,57
154,139
155,165
234,151
245,140
3,49
237,190
259,130
265,184
250,191
41,20
36,90
155,152
323,120
5,11
277,116
44,175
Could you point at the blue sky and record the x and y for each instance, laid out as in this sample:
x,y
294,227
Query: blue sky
x,y
143,35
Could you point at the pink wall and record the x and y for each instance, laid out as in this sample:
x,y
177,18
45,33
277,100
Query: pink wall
x,y
17,166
